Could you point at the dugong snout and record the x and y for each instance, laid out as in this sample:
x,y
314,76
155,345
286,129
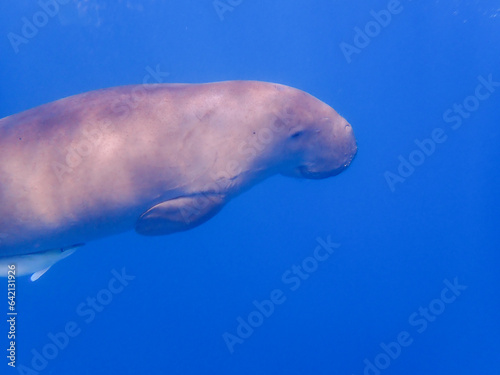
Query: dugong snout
x,y
326,139
339,150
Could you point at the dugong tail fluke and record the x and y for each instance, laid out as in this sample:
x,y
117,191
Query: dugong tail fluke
x,y
36,264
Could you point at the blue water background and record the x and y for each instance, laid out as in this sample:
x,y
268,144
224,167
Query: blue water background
x,y
397,248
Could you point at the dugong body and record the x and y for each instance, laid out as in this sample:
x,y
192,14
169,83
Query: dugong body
x,y
154,158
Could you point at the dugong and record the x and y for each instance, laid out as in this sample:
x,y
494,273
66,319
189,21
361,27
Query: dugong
x,y
157,158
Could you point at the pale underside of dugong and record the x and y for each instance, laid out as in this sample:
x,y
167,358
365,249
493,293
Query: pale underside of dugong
x,y
155,158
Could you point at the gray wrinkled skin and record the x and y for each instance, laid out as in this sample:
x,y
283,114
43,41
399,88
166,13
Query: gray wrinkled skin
x,y
155,158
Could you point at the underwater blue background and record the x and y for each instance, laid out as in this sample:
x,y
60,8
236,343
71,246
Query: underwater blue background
x,y
398,249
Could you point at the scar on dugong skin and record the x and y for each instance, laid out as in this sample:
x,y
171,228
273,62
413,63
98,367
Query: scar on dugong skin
x,y
157,158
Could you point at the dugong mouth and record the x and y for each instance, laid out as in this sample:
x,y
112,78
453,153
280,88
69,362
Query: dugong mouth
x,y
305,171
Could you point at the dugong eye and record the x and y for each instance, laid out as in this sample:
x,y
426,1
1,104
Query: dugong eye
x,y
296,134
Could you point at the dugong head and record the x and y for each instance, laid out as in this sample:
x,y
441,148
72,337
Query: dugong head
x,y
318,142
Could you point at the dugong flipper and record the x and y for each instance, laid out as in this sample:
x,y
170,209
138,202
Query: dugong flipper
x,y
155,158
178,214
